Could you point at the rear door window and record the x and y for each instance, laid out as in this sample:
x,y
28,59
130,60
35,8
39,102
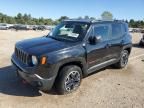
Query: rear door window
x,y
124,28
116,30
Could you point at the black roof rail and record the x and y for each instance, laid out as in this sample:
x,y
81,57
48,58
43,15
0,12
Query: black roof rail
x,y
119,20
94,21
82,20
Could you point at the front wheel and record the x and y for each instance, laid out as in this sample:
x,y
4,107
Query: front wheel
x,y
123,59
69,79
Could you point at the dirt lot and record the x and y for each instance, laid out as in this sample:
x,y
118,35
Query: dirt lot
x,y
108,88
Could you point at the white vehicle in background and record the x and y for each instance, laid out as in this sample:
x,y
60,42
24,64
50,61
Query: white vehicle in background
x,y
135,30
4,26
130,29
49,27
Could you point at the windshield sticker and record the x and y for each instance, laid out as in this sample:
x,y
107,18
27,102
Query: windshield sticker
x,y
73,35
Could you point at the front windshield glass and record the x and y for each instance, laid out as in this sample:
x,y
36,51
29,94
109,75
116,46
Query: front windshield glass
x,y
71,31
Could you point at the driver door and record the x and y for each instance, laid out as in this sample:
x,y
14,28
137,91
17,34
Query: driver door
x,y
97,53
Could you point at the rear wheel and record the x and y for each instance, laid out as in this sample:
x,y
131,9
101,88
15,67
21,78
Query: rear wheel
x,y
123,60
69,79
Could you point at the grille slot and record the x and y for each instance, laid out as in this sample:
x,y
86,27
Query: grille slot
x,y
22,56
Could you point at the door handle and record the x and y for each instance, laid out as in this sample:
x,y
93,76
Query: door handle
x,y
122,41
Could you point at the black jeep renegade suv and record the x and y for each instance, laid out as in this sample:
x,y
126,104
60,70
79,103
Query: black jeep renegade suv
x,y
74,49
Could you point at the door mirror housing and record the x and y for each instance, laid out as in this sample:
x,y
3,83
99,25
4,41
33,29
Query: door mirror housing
x,y
94,39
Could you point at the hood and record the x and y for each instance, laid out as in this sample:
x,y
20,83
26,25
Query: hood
x,y
41,45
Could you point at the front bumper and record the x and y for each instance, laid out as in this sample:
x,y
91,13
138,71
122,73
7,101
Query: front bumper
x,y
28,74
37,81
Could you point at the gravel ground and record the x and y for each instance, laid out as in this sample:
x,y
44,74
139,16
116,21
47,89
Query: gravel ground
x,y
107,88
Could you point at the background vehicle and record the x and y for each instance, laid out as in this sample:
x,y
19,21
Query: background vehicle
x,y
3,26
74,49
41,27
20,27
49,27
135,30
142,30
141,43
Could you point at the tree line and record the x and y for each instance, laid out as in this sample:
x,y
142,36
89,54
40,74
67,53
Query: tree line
x,y
136,24
25,19
28,19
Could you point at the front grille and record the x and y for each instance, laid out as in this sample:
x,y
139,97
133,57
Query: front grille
x,y
22,56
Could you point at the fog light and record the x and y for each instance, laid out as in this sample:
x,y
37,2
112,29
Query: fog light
x,y
39,84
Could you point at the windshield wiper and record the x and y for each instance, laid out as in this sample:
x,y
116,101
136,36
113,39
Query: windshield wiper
x,y
54,38
61,39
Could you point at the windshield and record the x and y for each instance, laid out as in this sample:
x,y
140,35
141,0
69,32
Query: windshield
x,y
71,31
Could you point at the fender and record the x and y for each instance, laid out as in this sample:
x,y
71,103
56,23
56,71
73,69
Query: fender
x,y
75,61
127,46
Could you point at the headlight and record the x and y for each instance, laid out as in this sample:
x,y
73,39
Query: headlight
x,y
34,60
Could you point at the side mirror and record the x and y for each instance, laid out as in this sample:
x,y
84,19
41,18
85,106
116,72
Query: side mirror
x,y
94,39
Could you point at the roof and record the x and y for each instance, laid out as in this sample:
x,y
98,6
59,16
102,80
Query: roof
x,y
93,21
